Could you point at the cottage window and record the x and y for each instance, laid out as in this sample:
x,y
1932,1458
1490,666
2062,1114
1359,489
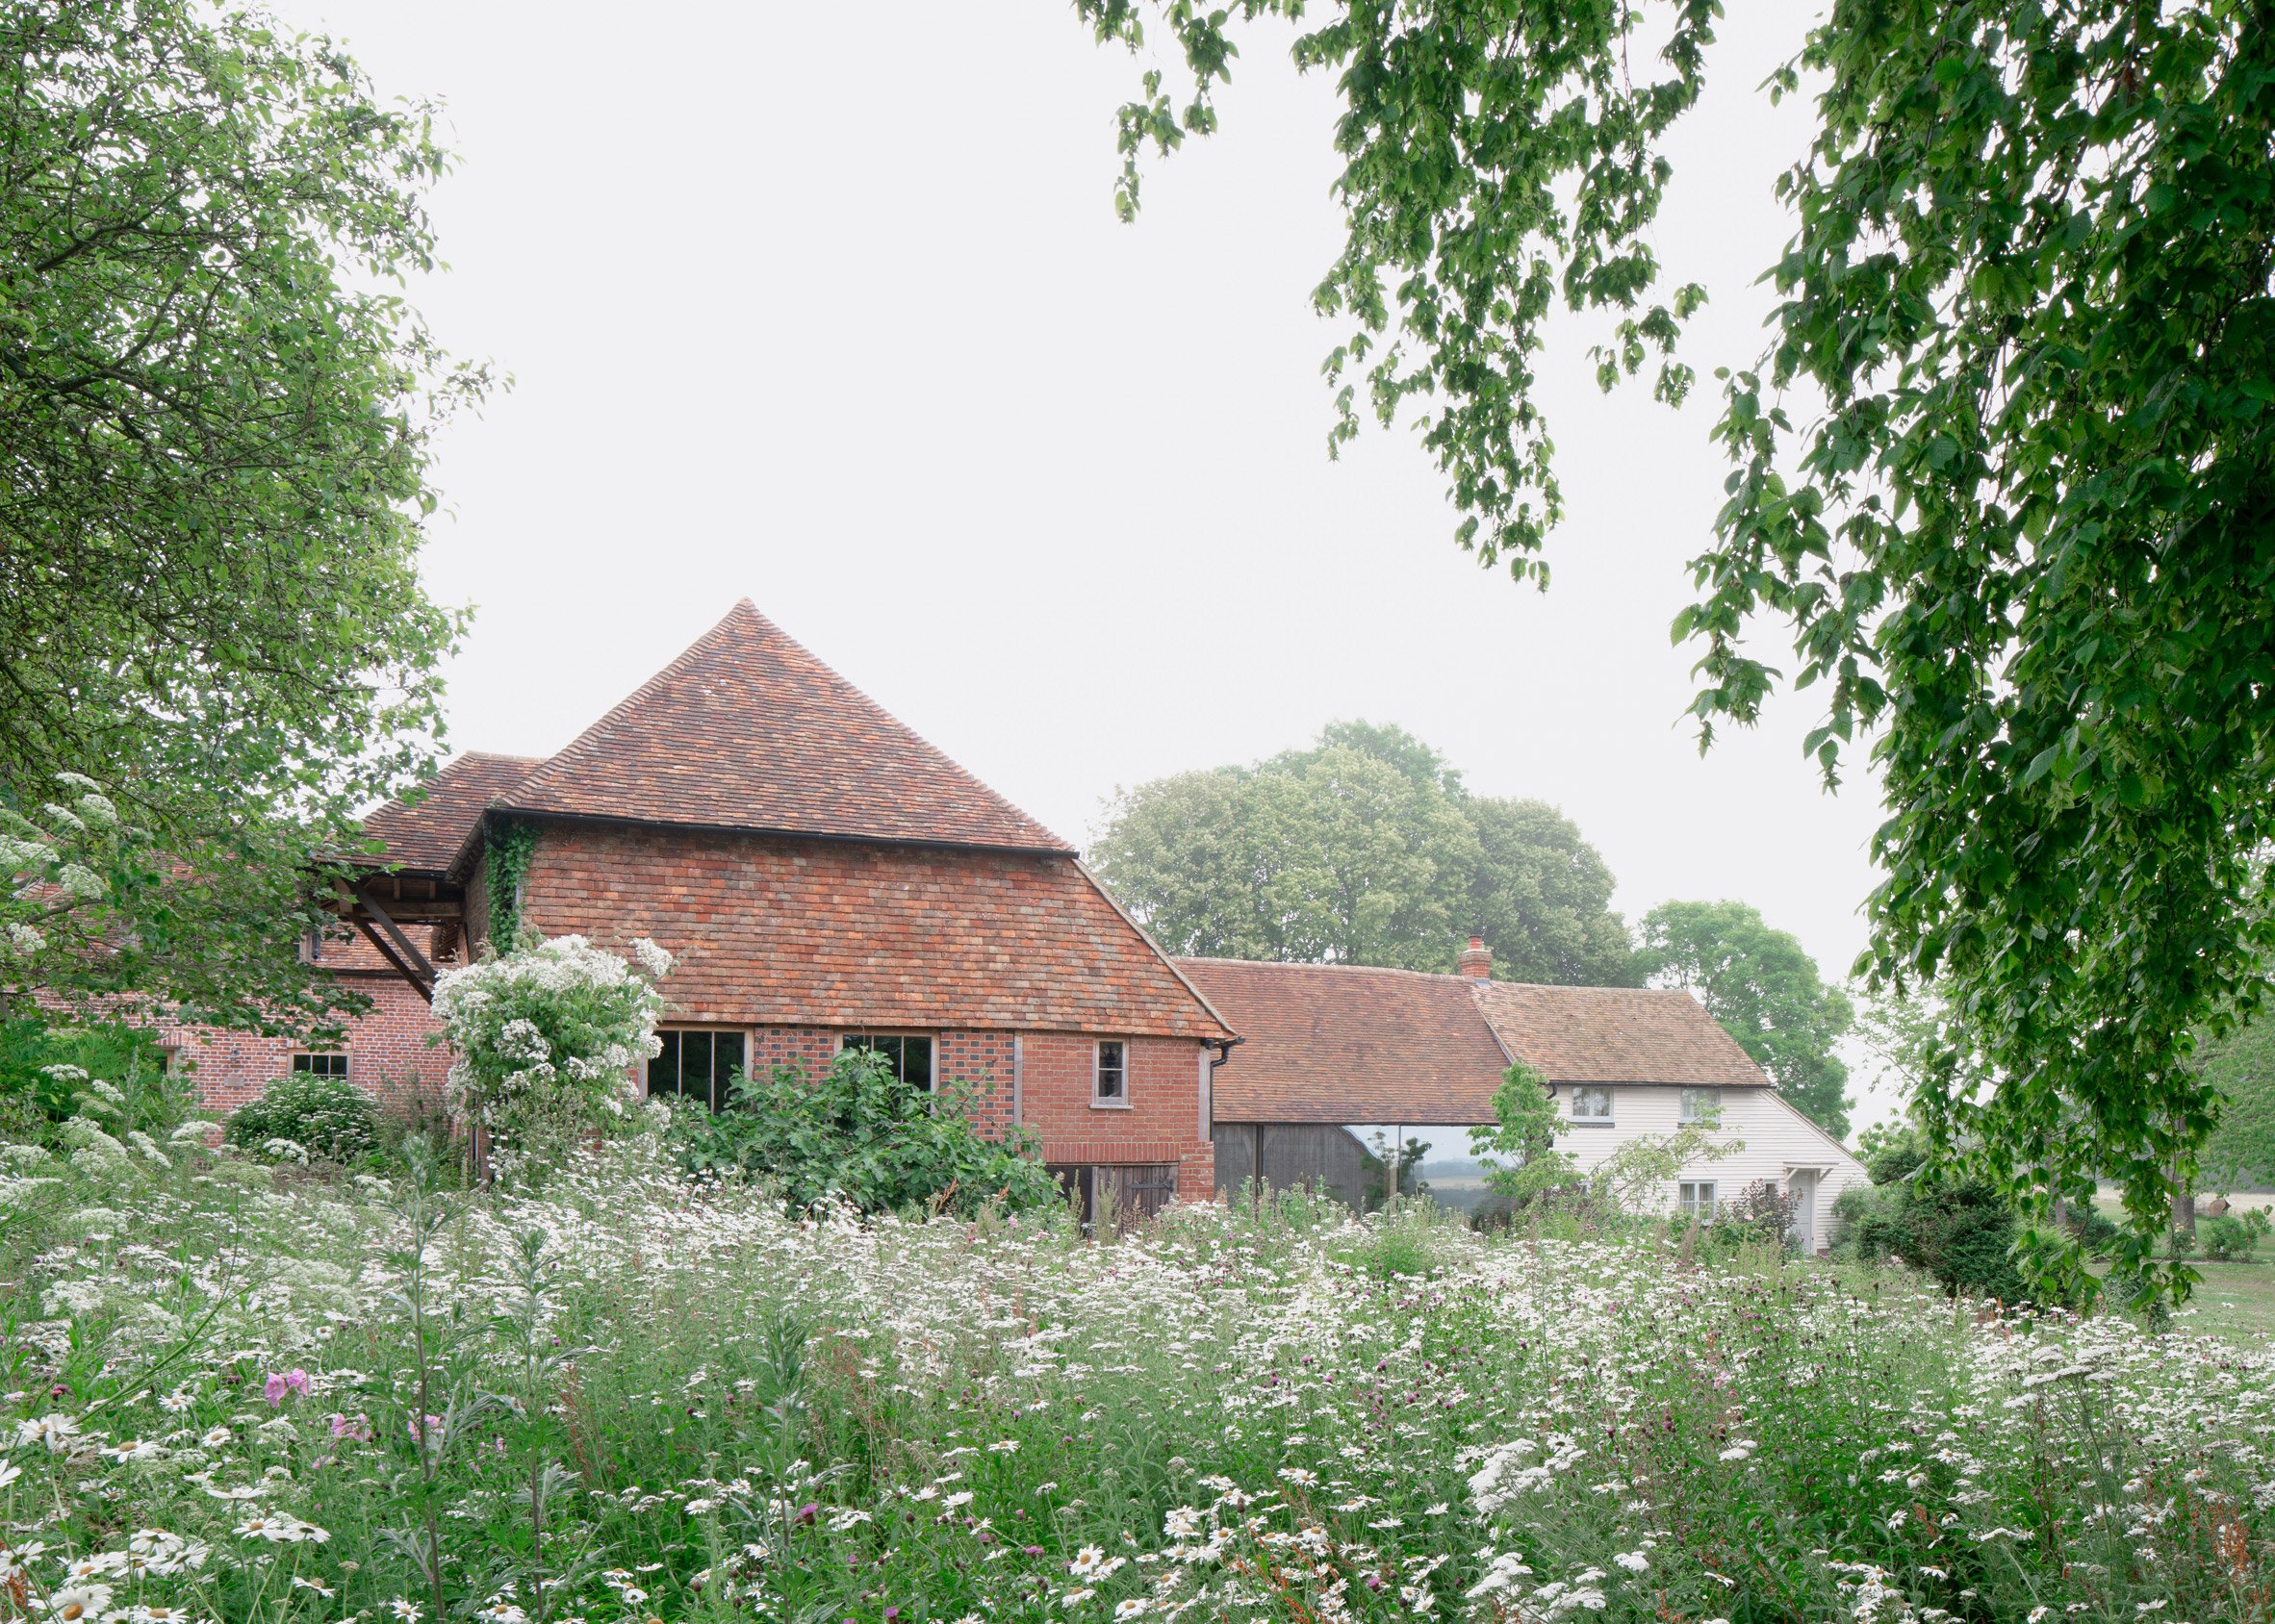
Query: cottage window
x,y
1109,1074
909,1056
1702,1105
696,1063
1697,1202
321,1062
1592,1107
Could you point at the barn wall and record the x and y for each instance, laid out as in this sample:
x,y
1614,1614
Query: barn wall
x,y
1317,1155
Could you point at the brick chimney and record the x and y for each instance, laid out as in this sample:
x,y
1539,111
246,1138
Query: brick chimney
x,y
1476,960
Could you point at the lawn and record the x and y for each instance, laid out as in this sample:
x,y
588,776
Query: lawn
x,y
2233,1300
625,1395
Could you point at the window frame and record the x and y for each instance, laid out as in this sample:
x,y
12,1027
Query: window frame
x,y
302,1062
932,1040
716,1100
1573,1114
1683,1112
1697,1198
1101,1101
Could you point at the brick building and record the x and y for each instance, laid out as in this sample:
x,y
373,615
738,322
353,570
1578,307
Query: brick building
x,y
822,877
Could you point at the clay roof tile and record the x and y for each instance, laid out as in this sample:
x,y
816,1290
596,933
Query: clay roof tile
x,y
749,730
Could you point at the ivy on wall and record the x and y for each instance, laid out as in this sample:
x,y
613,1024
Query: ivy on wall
x,y
506,863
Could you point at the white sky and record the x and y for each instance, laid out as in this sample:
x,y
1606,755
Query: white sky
x,y
826,305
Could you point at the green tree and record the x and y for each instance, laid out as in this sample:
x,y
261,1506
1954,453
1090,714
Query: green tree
x,y
216,414
1364,848
2020,528
1541,898
1518,1149
1763,988
2240,1069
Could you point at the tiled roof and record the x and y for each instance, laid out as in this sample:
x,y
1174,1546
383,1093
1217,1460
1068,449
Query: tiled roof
x,y
1615,1034
1343,1044
1350,1044
426,835
779,932
747,730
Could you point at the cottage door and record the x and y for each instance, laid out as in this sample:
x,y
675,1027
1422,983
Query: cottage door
x,y
1805,1210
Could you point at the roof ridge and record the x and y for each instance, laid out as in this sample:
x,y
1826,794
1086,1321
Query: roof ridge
x,y
747,728
646,690
1309,964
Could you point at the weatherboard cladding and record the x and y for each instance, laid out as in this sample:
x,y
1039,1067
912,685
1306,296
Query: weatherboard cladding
x,y
1347,1043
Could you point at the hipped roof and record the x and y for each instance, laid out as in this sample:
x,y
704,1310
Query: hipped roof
x,y
1357,1044
746,730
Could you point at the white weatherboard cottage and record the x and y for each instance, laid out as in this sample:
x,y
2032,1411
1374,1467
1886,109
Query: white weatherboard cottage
x,y
1323,1047
1776,1145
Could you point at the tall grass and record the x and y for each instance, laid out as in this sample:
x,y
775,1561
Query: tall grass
x,y
657,1398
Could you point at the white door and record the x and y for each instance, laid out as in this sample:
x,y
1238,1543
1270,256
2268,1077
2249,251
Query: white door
x,y
1805,1210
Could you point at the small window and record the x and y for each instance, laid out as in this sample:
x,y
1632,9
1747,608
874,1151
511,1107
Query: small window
x,y
1702,1105
1592,1107
1697,1202
1109,1074
321,1063
910,1057
696,1065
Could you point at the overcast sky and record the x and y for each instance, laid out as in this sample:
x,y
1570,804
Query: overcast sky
x,y
827,306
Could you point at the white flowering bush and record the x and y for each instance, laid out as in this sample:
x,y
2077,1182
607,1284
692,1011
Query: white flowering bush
x,y
302,1116
550,1030
63,865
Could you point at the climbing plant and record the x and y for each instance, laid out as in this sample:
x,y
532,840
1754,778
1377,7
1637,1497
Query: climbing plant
x,y
505,860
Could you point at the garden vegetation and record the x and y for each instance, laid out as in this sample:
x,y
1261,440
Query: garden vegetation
x,y
632,1393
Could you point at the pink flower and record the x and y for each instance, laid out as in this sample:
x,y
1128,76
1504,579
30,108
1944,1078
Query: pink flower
x,y
358,1429
279,1383
419,1435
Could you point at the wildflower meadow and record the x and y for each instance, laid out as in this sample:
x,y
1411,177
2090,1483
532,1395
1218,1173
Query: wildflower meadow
x,y
232,1393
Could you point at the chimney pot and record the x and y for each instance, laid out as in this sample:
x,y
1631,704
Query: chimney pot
x,y
1476,960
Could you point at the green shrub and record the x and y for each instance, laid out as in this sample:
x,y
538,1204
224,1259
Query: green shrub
x,y
862,1134
1759,1215
2232,1237
328,1117
114,1073
1959,1230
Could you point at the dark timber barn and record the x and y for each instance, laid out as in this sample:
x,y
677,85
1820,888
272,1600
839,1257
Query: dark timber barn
x,y
1328,1045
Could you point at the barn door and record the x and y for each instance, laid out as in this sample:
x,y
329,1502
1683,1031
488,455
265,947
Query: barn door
x,y
1129,1192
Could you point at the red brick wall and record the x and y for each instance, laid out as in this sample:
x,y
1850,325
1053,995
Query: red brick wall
x,y
1050,1071
1162,1123
820,933
387,1052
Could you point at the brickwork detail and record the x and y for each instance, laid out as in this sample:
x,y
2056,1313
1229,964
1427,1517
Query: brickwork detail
x,y
1160,1123
387,1057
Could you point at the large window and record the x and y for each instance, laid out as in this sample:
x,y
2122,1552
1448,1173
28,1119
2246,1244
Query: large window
x,y
910,1057
1109,1074
697,1065
1592,1107
1702,1105
1697,1202
321,1063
